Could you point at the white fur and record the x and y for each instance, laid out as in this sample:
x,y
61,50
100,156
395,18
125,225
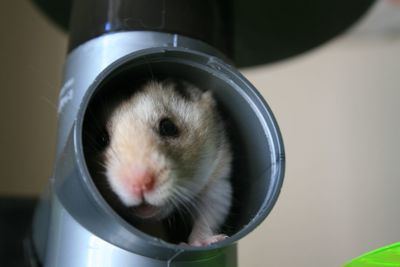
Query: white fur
x,y
194,167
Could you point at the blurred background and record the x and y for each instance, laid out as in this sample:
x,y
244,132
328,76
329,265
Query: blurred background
x,y
337,106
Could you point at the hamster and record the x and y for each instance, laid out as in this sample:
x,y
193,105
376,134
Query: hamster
x,y
167,150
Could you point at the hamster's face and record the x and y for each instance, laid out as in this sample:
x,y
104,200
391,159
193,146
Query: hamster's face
x,y
162,144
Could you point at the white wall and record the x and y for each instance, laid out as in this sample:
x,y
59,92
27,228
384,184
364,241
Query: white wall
x,y
338,108
31,57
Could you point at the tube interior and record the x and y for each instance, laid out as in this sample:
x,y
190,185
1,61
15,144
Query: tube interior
x,y
256,169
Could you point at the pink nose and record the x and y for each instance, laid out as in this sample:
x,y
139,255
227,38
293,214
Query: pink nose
x,y
142,181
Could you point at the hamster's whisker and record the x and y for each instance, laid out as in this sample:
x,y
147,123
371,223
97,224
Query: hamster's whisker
x,y
177,203
196,205
169,219
150,68
115,154
185,183
94,121
183,192
178,196
101,164
92,141
182,212
49,102
188,202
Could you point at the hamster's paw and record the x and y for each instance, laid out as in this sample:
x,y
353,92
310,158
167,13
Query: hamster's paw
x,y
207,241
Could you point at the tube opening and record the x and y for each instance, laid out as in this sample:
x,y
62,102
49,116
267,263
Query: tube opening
x,y
257,166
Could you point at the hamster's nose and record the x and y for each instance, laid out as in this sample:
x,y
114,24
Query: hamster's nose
x,y
142,181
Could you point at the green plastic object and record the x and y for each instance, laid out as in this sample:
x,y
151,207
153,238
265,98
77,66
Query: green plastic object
x,y
388,256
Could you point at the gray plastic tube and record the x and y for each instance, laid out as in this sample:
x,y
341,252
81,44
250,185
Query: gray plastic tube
x,y
75,226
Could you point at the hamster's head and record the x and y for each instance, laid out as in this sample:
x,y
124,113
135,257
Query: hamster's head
x,y
163,145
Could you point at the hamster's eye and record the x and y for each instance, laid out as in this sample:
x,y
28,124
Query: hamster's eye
x,y
104,139
167,128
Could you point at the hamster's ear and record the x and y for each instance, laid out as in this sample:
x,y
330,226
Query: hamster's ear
x,y
208,99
